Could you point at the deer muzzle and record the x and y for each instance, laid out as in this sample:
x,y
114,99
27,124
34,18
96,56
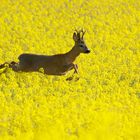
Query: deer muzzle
x,y
87,51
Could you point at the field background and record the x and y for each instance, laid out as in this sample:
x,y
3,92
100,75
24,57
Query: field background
x,y
104,103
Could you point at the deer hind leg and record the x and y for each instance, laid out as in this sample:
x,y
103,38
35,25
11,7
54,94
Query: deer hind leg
x,y
15,66
4,65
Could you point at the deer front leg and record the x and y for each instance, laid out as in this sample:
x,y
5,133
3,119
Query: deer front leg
x,y
70,67
75,67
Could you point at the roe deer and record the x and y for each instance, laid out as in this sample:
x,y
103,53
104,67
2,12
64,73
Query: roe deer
x,y
58,64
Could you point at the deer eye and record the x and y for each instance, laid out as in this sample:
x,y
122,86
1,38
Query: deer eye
x,y
81,46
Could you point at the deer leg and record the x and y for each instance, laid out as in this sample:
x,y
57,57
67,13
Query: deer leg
x,y
70,67
15,66
75,67
3,65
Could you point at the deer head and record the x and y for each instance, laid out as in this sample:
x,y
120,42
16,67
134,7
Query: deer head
x,y
78,37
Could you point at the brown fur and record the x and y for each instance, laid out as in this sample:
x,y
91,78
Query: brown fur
x,y
58,64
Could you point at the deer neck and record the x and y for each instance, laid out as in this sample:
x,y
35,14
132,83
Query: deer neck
x,y
71,55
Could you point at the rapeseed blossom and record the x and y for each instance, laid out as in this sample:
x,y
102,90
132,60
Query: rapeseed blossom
x,y
104,103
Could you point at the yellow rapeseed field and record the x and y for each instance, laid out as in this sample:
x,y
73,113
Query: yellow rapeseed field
x,y
104,103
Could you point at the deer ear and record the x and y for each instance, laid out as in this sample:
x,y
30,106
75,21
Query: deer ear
x,y
74,37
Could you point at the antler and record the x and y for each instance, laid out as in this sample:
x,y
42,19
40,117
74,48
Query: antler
x,y
83,32
78,33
